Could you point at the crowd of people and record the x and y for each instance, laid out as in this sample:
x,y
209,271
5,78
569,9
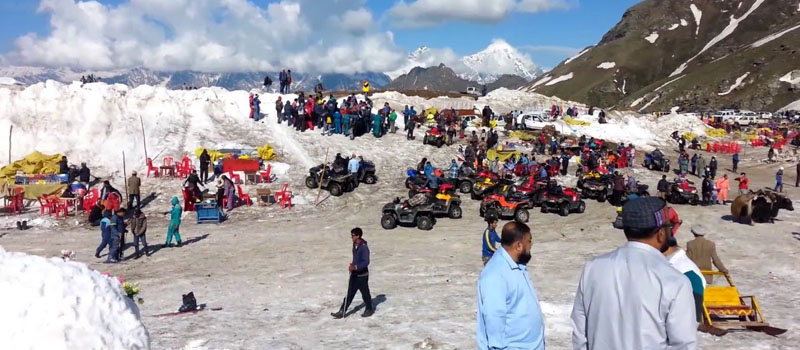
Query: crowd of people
x,y
352,118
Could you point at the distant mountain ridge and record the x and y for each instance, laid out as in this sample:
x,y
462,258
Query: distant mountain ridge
x,y
180,79
443,78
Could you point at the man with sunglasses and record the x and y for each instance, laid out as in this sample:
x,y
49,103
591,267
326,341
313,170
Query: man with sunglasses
x,y
632,298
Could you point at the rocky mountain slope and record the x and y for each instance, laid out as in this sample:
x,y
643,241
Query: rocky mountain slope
x,y
177,80
697,55
444,79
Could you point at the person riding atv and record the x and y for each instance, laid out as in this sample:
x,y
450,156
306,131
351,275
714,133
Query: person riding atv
x,y
656,161
564,200
595,185
682,192
329,179
434,137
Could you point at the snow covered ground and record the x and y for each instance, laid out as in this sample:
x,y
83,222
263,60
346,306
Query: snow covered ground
x,y
277,274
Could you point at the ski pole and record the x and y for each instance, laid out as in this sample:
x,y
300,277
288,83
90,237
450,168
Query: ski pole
x,y
344,302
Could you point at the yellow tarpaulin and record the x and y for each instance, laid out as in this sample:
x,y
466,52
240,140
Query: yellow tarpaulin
x,y
265,152
33,164
503,154
571,121
524,136
716,132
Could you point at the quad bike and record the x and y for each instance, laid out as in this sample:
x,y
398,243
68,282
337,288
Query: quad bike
x,y
366,173
661,164
406,213
336,184
414,178
565,200
488,186
497,205
445,204
679,194
595,186
415,189
433,139
641,191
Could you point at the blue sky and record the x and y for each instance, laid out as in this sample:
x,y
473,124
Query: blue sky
x,y
547,36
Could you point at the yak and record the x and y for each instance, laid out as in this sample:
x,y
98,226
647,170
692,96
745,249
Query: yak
x,y
761,206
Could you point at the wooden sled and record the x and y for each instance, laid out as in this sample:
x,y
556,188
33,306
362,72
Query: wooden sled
x,y
725,308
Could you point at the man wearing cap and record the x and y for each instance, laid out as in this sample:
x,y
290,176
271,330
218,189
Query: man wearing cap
x,y
632,298
703,252
509,315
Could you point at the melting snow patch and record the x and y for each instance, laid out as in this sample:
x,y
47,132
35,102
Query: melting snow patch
x,y
669,82
684,23
721,36
792,77
607,65
738,83
652,37
542,81
555,81
773,37
578,55
637,101
697,16
651,102
674,26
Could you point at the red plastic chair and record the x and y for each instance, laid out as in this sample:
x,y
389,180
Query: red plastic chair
x,y
152,169
44,206
243,197
90,200
15,204
186,167
234,177
61,208
265,175
284,196
167,161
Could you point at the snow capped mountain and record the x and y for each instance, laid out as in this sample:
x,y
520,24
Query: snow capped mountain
x,y
497,59
484,67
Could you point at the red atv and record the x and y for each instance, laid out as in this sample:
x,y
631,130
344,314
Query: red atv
x,y
445,187
564,200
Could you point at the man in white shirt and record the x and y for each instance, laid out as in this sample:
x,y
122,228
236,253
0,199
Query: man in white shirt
x,y
632,298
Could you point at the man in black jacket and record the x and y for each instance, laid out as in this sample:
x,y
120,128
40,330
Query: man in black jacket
x,y
84,175
663,187
63,166
205,160
706,188
359,276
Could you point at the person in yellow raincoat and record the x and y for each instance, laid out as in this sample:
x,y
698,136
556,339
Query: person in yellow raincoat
x,y
365,87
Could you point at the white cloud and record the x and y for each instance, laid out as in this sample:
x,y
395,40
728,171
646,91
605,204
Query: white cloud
x,y
427,13
209,35
534,6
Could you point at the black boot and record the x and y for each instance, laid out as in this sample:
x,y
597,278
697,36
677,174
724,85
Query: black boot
x,y
368,312
19,226
338,314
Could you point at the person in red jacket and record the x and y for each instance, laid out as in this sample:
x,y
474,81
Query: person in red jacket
x,y
743,183
674,219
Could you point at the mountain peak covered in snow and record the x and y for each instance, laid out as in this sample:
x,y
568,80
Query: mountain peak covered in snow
x,y
497,59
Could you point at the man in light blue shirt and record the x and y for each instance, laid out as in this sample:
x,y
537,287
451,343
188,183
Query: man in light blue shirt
x,y
509,316
352,167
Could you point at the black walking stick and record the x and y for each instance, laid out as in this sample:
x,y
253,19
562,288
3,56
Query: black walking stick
x,y
343,309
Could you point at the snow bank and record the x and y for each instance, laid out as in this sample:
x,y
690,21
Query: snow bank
x,y
772,37
684,23
735,85
562,78
652,37
697,16
794,106
8,81
607,65
95,123
501,101
51,304
644,131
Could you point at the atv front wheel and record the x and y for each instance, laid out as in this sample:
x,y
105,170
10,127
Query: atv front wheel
x,y
666,168
370,179
465,187
408,182
581,207
335,189
694,201
388,222
563,210
454,212
602,197
311,182
522,215
545,208
425,223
